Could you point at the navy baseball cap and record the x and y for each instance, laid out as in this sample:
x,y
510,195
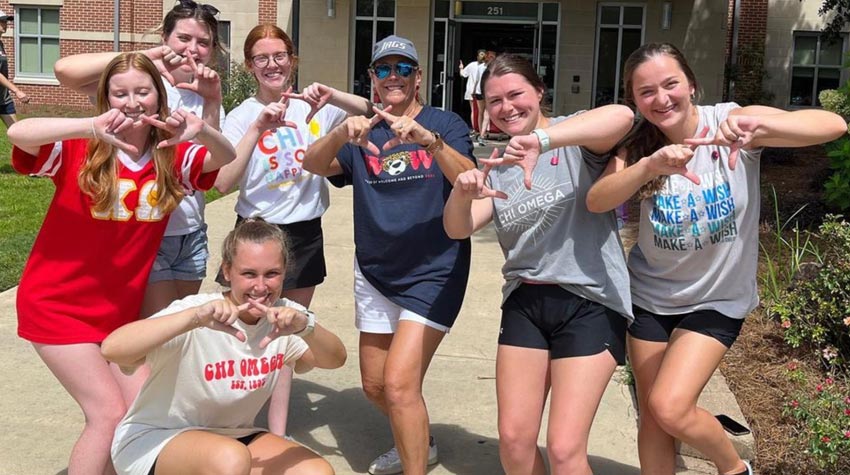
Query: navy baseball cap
x,y
394,45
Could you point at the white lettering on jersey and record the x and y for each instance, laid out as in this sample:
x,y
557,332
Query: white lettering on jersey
x,y
146,210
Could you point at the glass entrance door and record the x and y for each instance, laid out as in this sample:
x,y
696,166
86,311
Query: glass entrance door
x,y
620,32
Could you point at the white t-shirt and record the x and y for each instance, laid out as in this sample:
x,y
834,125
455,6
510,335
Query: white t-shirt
x,y
472,72
203,379
274,185
189,216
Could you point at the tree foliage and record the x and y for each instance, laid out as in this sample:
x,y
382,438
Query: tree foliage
x,y
839,12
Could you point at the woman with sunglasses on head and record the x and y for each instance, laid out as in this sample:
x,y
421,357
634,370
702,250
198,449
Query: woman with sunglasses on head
x,y
410,278
117,177
271,132
214,361
189,47
693,270
565,299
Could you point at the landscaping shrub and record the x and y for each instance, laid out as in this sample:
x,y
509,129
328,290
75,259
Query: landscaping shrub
x,y
237,86
822,409
815,311
837,187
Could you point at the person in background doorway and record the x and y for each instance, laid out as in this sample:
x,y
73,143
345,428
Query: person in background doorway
x,y
472,72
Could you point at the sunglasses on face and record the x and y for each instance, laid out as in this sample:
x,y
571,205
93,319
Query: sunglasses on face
x,y
383,71
192,5
262,60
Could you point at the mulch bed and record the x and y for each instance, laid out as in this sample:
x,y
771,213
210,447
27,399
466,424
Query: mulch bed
x,y
756,367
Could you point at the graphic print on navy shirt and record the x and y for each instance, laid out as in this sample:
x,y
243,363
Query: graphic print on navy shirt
x,y
391,168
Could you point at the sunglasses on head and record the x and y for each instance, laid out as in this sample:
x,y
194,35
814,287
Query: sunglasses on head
x,y
192,5
383,71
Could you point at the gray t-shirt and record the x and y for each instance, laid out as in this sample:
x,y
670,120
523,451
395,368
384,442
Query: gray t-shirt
x,y
698,244
548,235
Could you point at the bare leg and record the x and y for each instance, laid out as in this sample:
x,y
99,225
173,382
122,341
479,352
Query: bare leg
x,y
273,455
690,360
485,123
8,119
86,376
656,448
577,387
483,118
410,354
204,453
521,386
279,403
158,295
374,348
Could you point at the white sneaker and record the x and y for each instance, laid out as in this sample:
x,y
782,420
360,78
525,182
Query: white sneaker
x,y
389,463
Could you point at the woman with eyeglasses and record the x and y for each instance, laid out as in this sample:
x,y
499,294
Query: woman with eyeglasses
x,y
189,47
409,276
271,131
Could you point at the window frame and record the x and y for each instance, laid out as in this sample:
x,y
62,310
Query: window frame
x,y
374,18
620,26
842,74
27,75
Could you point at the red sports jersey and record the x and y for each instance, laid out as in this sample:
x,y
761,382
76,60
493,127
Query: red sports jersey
x,y
87,272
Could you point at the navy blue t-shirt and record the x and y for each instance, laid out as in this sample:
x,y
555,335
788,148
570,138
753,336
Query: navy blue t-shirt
x,y
400,243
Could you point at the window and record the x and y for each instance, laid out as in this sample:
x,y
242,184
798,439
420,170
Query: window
x,y
374,20
223,56
815,66
36,41
619,32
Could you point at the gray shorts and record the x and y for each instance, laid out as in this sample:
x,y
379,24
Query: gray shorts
x,y
181,257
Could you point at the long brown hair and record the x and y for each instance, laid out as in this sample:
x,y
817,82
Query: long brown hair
x,y
98,176
507,63
645,138
203,13
267,30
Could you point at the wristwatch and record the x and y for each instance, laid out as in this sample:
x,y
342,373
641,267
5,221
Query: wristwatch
x,y
436,145
311,324
543,138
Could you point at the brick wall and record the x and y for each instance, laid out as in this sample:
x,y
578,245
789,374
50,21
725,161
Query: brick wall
x,y
137,16
268,11
752,28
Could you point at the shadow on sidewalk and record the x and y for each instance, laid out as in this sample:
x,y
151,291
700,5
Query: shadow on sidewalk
x,y
361,433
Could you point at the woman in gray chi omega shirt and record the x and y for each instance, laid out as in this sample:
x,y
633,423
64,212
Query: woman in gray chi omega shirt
x,y
693,271
565,298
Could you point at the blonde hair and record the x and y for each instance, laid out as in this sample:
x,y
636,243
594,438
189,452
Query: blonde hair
x,y
98,176
255,230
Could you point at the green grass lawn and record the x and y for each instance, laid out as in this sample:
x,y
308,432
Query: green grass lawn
x,y
23,203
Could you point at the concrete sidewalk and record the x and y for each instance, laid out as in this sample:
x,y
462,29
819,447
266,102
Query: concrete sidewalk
x,y
328,411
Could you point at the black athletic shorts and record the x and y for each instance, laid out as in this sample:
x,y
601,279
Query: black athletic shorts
x,y
245,440
653,327
306,252
549,317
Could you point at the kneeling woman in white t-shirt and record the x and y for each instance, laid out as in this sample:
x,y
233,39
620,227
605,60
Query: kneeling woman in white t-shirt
x,y
214,360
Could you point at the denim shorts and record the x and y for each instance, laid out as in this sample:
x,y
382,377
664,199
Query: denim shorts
x,y
181,257
7,108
